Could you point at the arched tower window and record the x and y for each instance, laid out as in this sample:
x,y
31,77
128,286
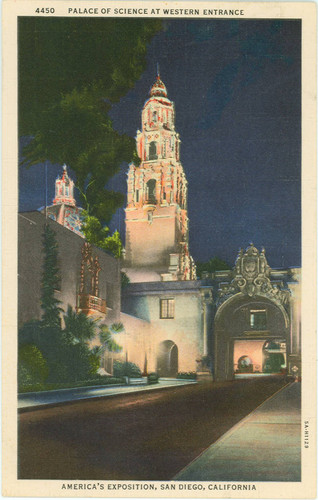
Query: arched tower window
x,y
153,151
151,191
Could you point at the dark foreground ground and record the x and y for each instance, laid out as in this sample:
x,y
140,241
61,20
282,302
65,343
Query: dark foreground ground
x,y
143,436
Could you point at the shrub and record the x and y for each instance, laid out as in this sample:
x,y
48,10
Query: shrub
x,y
32,367
153,378
187,375
66,362
124,280
102,380
94,361
126,369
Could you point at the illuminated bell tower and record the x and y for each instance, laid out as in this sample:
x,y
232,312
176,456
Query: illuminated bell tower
x,y
156,213
64,209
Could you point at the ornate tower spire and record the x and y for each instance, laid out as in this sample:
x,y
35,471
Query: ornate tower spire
x,y
64,209
64,189
158,89
156,213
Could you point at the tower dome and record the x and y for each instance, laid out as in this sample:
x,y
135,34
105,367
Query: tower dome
x,y
158,89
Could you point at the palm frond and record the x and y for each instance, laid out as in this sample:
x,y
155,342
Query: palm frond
x,y
117,327
79,326
108,343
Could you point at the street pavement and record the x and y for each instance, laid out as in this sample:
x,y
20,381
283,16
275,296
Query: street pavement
x,y
149,435
264,446
39,399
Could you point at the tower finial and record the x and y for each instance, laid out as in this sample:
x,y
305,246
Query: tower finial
x,y
158,89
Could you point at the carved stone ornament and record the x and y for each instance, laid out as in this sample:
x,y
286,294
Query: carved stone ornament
x,y
206,297
251,276
90,265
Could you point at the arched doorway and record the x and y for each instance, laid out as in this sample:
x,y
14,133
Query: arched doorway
x,y
245,329
167,359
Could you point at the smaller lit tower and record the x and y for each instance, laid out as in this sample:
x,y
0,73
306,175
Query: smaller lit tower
x,y
157,237
64,209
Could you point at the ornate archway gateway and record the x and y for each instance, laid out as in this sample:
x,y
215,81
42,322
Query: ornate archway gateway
x,y
239,344
252,320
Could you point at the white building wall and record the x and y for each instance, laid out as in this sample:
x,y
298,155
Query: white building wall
x,y
185,329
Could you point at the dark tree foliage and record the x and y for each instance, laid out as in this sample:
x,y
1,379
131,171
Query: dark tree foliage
x,y
50,280
71,71
124,280
66,361
58,55
32,367
66,353
99,235
212,265
106,337
50,343
79,328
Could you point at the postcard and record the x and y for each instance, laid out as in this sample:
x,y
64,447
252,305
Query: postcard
x,y
159,249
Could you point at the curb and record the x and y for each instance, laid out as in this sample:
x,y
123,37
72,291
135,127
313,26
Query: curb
x,y
45,406
71,389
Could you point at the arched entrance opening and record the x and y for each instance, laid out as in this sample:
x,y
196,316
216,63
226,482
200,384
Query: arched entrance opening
x,y
167,359
251,336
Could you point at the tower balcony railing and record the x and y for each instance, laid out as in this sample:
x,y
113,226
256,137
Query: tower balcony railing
x,y
89,304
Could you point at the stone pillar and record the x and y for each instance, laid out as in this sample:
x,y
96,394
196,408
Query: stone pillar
x,y
294,359
204,362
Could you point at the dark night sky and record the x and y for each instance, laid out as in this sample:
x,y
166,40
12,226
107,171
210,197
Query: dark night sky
x,y
236,89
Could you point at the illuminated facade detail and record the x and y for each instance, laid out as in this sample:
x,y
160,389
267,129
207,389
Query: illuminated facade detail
x,y
256,328
89,301
156,214
251,276
64,209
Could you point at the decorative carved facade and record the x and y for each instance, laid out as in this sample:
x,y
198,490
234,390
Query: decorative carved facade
x,y
156,212
251,276
88,298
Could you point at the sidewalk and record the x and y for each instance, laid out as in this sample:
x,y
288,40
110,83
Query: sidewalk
x,y
264,446
39,399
